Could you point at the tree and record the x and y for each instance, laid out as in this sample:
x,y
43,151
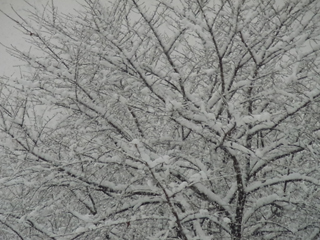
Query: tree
x,y
181,120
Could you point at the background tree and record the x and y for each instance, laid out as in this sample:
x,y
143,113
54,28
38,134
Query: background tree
x,y
184,120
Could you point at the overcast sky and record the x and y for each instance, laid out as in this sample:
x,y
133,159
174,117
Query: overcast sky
x,y
9,35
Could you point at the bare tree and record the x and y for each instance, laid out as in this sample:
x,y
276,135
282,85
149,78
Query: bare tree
x,y
179,120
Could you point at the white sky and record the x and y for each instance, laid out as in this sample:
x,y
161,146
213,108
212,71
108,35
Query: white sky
x,y
9,35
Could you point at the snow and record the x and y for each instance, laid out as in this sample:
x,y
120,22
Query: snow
x,y
176,105
145,91
84,217
262,117
161,160
260,203
212,196
203,211
209,72
130,175
227,220
272,181
231,192
195,178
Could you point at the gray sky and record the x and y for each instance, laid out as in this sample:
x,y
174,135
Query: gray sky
x,y
9,35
